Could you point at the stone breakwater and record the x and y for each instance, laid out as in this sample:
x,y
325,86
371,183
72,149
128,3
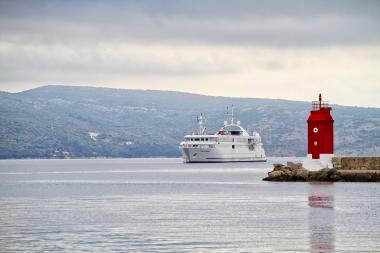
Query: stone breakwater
x,y
356,163
345,169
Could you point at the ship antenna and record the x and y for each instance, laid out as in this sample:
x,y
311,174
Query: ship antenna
x,y
232,114
201,128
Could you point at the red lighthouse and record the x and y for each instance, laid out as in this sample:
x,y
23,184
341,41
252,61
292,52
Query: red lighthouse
x,y
320,131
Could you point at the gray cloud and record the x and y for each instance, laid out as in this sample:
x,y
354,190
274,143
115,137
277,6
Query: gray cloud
x,y
275,23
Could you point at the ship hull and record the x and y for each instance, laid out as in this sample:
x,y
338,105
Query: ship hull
x,y
202,155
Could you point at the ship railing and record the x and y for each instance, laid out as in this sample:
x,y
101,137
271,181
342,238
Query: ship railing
x,y
198,145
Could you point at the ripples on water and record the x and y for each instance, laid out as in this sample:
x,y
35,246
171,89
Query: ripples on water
x,y
162,205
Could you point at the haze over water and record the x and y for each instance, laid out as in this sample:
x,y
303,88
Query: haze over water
x,y
163,205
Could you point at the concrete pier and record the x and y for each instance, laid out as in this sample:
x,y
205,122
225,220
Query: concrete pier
x,y
345,169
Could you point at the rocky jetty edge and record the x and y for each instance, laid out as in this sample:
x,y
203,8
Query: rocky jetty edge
x,y
345,169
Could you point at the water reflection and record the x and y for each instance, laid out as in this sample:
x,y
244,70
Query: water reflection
x,y
321,217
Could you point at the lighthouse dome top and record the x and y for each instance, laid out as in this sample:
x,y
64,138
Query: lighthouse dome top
x,y
320,111
320,104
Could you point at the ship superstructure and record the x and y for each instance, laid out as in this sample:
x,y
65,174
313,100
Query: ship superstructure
x,y
232,143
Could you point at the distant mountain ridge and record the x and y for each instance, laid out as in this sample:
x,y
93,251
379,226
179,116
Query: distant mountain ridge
x,y
72,121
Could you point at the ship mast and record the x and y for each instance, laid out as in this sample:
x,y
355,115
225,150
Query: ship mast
x,y
232,114
201,127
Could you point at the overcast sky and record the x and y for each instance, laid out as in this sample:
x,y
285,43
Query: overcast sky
x,y
268,49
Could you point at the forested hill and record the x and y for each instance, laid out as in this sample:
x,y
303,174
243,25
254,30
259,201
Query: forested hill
x,y
69,121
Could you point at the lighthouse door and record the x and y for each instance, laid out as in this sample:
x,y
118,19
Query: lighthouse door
x,y
315,153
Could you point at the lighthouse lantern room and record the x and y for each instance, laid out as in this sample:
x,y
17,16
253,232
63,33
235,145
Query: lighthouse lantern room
x,y
320,132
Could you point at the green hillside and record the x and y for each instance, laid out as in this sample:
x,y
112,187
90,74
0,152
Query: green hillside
x,y
68,121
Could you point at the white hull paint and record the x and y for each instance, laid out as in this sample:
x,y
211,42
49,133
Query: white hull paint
x,y
199,155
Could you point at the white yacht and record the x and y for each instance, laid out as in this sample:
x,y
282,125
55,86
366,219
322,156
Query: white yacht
x,y
232,143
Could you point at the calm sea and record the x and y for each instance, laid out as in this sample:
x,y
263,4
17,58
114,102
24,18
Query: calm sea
x,y
163,205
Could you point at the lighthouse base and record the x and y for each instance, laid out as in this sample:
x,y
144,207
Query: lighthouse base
x,y
324,161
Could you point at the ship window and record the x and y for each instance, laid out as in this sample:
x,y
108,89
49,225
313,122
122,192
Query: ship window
x,y
233,146
196,139
195,146
202,139
206,139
